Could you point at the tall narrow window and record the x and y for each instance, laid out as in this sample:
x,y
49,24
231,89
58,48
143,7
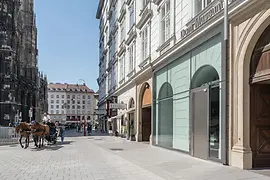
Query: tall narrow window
x,y
145,2
145,43
131,57
131,15
109,80
199,5
121,62
165,21
122,29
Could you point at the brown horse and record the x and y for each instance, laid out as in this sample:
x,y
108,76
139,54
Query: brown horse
x,y
39,131
24,129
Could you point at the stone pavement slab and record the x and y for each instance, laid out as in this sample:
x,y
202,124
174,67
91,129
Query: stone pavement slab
x,y
171,164
108,158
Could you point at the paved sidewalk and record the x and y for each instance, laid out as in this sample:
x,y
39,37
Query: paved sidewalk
x,y
109,158
172,165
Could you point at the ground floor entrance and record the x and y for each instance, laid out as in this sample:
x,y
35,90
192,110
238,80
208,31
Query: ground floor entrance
x,y
146,123
260,125
205,117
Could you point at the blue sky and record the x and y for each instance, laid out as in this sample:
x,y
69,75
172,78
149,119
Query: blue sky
x,y
68,37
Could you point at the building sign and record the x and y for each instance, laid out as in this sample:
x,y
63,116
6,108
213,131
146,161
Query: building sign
x,y
200,20
118,106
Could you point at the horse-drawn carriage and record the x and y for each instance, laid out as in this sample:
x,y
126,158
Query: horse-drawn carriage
x,y
39,132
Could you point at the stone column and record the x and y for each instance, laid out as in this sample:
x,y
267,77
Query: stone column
x,y
138,116
241,155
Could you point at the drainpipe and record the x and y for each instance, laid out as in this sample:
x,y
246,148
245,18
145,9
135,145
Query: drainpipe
x,y
224,119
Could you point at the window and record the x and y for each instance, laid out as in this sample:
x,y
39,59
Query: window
x,y
131,57
57,101
89,97
145,2
57,96
200,5
89,102
52,101
121,62
109,80
73,96
68,96
131,15
83,102
52,111
63,96
122,30
83,112
83,107
88,118
52,106
63,101
57,106
73,107
57,111
78,107
78,97
68,101
79,112
68,106
52,96
78,102
73,111
62,112
165,22
145,43
83,96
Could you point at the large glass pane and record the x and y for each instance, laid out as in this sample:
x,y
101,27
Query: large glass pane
x,y
214,123
165,116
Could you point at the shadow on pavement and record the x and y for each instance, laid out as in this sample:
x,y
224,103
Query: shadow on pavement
x,y
65,142
49,147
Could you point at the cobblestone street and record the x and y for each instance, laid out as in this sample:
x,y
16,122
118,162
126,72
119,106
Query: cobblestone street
x,y
104,157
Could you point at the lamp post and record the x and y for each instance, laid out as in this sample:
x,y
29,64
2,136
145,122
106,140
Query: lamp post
x,y
84,124
73,100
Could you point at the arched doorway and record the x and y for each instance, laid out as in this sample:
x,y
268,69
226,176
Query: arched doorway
x,y
165,115
205,115
260,101
146,104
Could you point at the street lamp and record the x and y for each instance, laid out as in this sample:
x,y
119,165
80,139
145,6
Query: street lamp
x,y
84,124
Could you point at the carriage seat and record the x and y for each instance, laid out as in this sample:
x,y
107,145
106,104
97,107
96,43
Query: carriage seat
x,y
52,127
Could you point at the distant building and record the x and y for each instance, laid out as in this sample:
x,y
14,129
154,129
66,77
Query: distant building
x,y
71,103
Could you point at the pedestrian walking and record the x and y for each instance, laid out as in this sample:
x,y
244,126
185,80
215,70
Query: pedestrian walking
x,y
62,132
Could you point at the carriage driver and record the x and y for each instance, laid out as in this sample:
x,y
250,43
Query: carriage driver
x,y
46,118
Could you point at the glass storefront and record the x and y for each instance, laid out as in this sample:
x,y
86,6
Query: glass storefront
x,y
172,85
214,119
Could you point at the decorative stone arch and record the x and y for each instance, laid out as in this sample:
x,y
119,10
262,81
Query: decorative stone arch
x,y
145,95
244,42
144,100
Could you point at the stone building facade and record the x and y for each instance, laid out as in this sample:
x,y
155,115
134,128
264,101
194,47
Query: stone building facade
x,y
71,103
181,88
22,86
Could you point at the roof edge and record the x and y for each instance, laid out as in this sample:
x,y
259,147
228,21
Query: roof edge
x,y
99,9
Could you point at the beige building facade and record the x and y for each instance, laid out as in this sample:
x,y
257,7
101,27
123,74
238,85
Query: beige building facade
x,y
249,88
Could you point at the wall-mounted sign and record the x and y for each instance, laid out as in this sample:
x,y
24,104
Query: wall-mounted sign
x,y
118,106
201,19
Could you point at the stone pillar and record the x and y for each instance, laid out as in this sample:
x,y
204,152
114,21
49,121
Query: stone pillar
x,y
241,154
